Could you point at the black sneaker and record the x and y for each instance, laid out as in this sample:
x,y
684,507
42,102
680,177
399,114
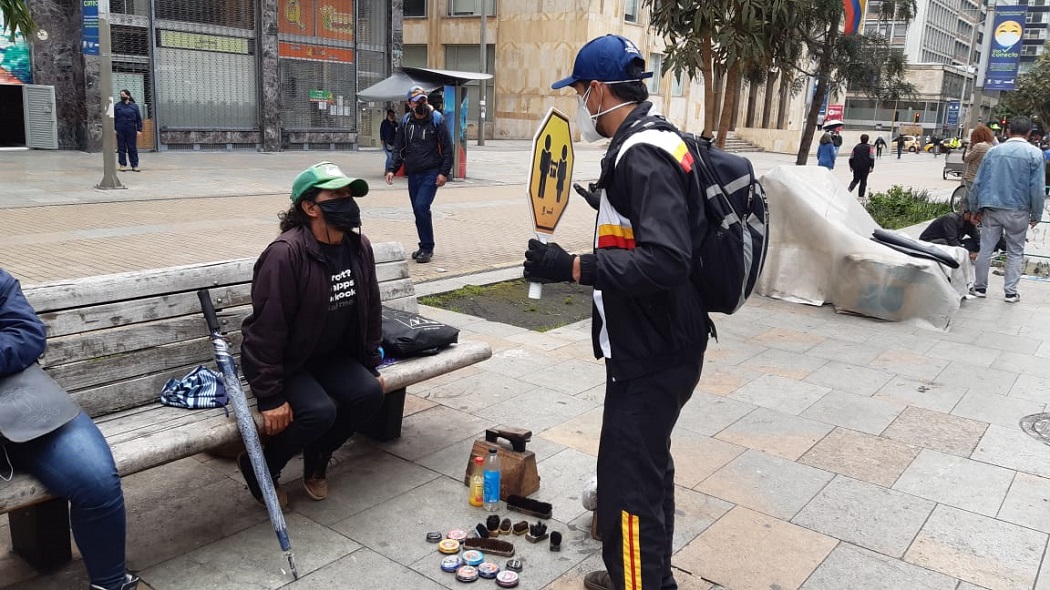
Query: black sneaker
x,y
244,463
415,255
980,293
424,257
1012,297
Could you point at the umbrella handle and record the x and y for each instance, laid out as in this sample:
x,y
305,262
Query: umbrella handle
x,y
209,310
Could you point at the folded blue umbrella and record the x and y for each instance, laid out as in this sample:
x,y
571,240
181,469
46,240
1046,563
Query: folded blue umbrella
x,y
201,388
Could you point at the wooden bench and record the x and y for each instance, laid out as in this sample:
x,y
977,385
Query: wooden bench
x,y
114,340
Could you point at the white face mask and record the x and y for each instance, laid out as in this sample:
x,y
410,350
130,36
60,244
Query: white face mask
x,y
587,121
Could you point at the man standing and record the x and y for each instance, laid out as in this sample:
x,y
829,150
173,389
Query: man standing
x,y
1008,196
424,145
900,145
387,135
861,163
648,323
880,143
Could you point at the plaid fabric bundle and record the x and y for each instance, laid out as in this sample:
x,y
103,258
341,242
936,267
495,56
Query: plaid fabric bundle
x,y
201,388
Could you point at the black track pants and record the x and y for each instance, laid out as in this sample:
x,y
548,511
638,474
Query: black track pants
x,y
636,475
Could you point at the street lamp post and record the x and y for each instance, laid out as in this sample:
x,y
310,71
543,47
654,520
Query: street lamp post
x,y
105,82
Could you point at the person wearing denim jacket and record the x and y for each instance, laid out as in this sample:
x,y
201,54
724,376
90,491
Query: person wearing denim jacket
x,y
73,461
1008,196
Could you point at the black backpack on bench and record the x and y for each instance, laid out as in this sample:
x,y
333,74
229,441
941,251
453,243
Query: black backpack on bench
x,y
406,334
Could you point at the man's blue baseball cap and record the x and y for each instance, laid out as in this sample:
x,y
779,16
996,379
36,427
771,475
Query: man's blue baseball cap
x,y
605,59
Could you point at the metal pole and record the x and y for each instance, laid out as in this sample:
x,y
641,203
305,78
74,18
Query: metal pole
x,y
105,82
481,83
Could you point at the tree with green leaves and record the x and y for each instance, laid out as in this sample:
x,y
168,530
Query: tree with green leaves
x,y
1030,97
16,18
863,63
726,41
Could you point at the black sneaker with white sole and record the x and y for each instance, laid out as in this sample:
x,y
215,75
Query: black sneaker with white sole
x,y
1012,297
424,257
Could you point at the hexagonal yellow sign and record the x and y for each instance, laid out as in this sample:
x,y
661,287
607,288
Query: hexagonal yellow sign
x,y
550,177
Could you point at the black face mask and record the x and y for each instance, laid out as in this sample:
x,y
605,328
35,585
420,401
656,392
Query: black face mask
x,y
342,214
124,99
421,108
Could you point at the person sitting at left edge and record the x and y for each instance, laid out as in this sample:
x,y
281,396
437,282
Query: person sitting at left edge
x,y
312,342
49,437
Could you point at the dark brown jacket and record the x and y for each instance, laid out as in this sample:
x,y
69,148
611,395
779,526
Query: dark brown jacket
x,y
290,292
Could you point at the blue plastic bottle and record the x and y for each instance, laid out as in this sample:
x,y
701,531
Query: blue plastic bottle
x,y
492,483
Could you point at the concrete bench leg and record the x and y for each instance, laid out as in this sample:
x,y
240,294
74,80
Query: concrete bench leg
x,y
386,424
40,534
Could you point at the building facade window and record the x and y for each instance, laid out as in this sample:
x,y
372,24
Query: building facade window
x,y
467,58
414,56
630,11
205,64
415,8
656,64
471,7
677,84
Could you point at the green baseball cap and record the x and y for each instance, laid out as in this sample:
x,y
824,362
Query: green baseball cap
x,y
326,175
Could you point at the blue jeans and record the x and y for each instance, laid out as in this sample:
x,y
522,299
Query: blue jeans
x,y
127,147
389,156
422,190
1011,224
75,463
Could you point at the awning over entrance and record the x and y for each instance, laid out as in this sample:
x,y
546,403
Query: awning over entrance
x,y
396,86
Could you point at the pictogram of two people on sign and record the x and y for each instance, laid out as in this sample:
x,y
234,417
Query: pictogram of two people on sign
x,y
550,168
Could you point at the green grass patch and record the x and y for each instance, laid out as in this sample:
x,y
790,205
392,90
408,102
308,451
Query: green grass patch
x,y
508,303
901,207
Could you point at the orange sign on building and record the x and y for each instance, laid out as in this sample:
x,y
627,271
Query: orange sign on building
x,y
328,19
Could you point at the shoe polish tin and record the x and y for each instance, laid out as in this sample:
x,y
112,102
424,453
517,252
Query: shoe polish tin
x,y
488,570
449,546
451,563
457,535
473,557
506,579
467,573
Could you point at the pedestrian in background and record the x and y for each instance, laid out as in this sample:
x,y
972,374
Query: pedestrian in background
x,y
424,146
900,145
880,143
862,164
387,135
1008,196
980,142
127,121
826,152
649,323
836,140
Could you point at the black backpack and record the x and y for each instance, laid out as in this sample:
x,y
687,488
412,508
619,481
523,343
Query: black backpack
x,y
729,250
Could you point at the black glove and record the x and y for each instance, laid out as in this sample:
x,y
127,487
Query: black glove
x,y
547,263
590,194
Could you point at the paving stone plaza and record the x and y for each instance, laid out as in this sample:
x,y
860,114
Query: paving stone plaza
x,y
819,451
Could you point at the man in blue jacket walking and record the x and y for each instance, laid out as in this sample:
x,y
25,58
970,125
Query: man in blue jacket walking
x,y
424,145
1008,195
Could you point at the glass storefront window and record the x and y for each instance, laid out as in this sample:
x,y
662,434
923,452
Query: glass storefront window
x,y
207,89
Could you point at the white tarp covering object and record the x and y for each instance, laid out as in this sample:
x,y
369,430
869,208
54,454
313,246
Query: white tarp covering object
x,y
820,251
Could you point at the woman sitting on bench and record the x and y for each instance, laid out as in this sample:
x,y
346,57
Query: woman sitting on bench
x,y
44,433
311,344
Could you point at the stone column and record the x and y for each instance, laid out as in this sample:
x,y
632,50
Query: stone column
x,y
58,61
269,78
397,33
